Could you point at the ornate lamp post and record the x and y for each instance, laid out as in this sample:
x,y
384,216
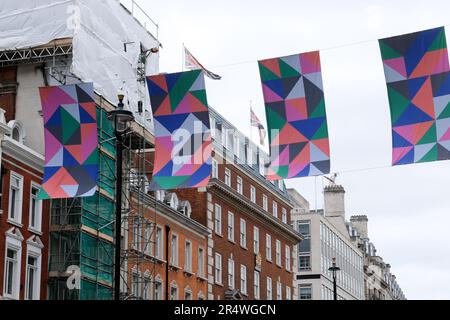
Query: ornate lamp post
x,y
121,119
334,269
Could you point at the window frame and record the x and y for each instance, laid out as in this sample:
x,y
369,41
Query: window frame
x,y
230,227
257,285
231,274
188,256
239,185
243,233
201,262
218,219
253,194
227,177
37,228
244,283
18,206
268,247
256,235
174,250
269,288
218,274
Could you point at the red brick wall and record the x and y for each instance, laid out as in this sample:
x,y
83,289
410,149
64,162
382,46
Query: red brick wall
x,y
8,79
4,225
246,256
182,279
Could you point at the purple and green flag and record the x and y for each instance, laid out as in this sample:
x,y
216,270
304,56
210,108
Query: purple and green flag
x,y
71,141
182,131
296,116
417,74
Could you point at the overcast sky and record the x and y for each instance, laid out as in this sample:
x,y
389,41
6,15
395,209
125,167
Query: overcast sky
x,y
407,206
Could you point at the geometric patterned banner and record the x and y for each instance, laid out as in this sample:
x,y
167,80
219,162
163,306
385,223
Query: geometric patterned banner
x,y
418,79
182,131
296,116
71,141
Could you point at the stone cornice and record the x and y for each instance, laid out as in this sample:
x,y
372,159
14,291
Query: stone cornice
x,y
167,211
23,154
221,190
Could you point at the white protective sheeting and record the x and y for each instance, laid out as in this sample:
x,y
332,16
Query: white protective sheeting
x,y
99,30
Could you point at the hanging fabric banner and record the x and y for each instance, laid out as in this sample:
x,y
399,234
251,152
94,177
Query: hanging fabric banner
x,y
71,141
296,116
417,73
182,130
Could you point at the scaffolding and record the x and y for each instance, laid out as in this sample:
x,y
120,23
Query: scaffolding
x,y
82,229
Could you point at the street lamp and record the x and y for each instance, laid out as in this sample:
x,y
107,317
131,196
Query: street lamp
x,y
121,119
334,269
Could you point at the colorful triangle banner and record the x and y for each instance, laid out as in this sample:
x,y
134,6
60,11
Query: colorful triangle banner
x,y
418,79
182,131
71,141
296,117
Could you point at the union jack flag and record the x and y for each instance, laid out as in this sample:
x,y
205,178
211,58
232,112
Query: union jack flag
x,y
257,124
191,63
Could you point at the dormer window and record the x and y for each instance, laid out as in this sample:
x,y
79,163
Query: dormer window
x,y
17,131
185,208
171,199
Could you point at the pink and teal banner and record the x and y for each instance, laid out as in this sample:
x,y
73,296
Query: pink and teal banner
x,y
182,130
71,141
296,116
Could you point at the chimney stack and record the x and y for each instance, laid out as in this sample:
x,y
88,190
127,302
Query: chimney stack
x,y
360,224
334,201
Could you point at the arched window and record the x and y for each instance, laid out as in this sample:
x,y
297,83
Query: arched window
x,y
187,293
158,288
172,200
173,291
18,131
185,208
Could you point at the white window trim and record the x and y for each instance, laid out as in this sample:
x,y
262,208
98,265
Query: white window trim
x,y
218,219
243,283
218,274
188,262
227,177
275,209
243,233
14,242
269,288
159,247
158,280
284,215
239,185
288,293
174,258
38,227
173,285
230,226
279,291
17,220
201,266
253,194
265,202
34,249
256,240
287,252
268,247
231,274
278,257
215,168
257,285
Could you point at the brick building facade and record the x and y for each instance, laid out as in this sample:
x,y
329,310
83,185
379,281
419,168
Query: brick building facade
x,y
155,269
23,218
251,242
